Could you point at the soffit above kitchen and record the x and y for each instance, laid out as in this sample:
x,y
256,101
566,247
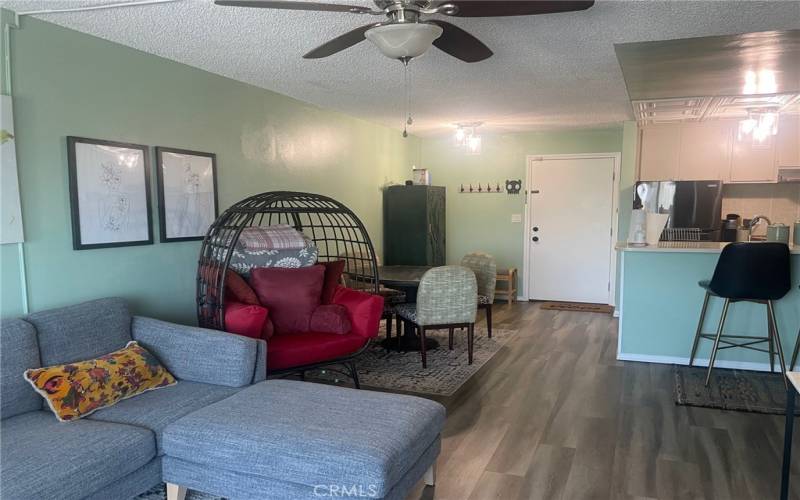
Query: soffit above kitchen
x,y
704,78
548,72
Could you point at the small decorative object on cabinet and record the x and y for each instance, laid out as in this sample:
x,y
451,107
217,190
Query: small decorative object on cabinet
x,y
414,225
187,193
109,187
422,177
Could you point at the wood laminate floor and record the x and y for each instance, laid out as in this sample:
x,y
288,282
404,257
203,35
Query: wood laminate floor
x,y
555,416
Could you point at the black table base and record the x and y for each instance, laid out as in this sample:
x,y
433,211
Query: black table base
x,y
408,343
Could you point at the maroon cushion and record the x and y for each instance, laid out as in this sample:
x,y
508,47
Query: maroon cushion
x,y
291,295
268,330
289,351
236,286
330,318
365,310
333,273
245,319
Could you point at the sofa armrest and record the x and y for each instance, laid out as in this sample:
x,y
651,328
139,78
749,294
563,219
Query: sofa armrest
x,y
365,310
202,355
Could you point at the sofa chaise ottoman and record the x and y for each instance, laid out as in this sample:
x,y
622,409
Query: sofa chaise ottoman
x,y
284,439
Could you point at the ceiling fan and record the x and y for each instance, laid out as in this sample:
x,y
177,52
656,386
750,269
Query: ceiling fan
x,y
405,34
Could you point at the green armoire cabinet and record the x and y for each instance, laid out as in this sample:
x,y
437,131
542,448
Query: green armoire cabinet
x,y
414,225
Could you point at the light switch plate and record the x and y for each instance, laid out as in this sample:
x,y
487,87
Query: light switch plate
x,y
516,217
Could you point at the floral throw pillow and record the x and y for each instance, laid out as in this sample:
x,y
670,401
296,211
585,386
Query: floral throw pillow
x,y
75,390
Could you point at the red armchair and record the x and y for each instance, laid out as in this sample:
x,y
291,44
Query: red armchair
x,y
298,352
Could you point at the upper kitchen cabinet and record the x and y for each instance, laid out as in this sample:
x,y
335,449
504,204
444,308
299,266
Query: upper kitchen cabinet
x,y
787,145
660,146
705,152
753,161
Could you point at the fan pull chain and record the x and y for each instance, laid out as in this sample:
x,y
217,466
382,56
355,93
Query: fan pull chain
x,y
407,85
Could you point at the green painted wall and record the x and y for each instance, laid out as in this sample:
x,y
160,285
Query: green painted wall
x,y
68,83
483,221
661,304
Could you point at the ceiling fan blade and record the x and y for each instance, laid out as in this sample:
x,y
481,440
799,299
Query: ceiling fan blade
x,y
460,44
291,5
498,8
340,42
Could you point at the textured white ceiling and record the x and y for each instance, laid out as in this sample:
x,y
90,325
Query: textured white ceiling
x,y
547,72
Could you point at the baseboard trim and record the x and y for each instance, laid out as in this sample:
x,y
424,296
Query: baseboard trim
x,y
616,312
702,362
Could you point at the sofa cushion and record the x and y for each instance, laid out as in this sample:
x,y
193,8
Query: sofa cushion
x,y
83,331
75,390
44,458
291,295
317,435
19,352
156,409
330,318
288,351
365,310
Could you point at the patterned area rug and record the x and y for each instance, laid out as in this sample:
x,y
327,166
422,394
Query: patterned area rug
x,y
402,371
578,306
737,390
160,493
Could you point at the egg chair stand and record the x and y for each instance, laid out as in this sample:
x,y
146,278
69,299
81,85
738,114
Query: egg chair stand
x,y
334,229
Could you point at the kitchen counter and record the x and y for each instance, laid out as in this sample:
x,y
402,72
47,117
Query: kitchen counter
x,y
660,303
686,246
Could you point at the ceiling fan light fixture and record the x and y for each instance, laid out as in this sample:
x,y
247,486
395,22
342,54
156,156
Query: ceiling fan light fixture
x,y
403,40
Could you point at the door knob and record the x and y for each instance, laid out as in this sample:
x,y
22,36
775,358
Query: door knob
x,y
535,238
535,228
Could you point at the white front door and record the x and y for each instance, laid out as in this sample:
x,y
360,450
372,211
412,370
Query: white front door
x,y
571,204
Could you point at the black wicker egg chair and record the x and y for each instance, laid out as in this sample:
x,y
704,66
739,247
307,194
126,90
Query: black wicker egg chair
x,y
334,229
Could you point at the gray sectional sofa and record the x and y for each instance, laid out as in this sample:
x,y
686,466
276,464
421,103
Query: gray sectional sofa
x,y
221,429
115,452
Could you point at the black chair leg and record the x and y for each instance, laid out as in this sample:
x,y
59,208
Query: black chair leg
x,y
422,347
354,374
699,328
389,327
470,340
796,348
489,319
451,337
778,345
716,339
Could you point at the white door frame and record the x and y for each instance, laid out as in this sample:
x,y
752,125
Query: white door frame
x,y
526,236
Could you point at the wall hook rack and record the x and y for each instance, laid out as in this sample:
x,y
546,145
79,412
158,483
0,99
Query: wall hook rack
x,y
478,187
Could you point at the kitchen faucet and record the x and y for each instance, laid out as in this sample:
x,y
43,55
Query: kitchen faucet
x,y
755,221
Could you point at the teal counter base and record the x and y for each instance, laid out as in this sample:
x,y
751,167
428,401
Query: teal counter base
x,y
660,304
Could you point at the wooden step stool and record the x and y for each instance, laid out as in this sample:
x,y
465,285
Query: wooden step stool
x,y
509,290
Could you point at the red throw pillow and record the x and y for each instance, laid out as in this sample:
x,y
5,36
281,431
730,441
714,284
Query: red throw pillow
x,y
330,318
238,287
291,295
245,319
268,330
365,310
333,273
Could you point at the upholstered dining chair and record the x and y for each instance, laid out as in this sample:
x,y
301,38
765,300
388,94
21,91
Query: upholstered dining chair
x,y
485,269
447,298
391,297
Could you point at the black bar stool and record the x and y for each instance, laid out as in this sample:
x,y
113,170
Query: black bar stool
x,y
747,272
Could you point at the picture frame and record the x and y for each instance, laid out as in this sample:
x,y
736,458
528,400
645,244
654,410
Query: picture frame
x,y
187,193
109,190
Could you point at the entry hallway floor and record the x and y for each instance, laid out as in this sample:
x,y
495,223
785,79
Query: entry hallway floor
x,y
555,415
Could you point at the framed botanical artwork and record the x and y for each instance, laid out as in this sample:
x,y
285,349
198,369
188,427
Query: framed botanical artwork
x,y
187,193
109,187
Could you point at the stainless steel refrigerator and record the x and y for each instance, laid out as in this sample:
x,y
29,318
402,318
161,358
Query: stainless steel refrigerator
x,y
694,207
